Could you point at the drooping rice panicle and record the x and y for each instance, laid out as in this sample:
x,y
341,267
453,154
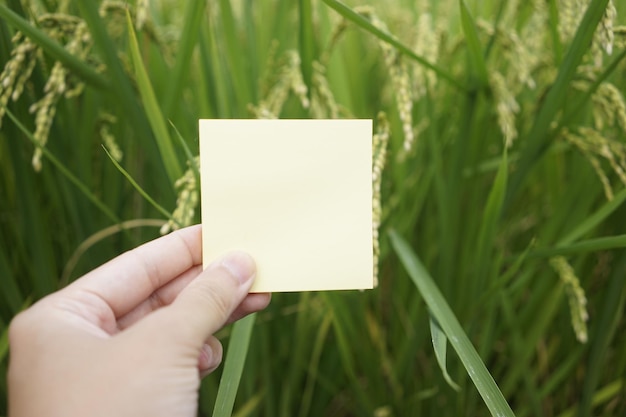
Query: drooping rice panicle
x,y
575,296
506,108
187,201
379,153
289,80
108,139
17,71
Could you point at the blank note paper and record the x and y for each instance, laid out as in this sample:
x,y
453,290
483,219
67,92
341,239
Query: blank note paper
x,y
296,195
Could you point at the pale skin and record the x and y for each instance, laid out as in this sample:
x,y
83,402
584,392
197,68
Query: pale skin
x,y
131,338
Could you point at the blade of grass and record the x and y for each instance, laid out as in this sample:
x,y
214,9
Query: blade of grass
x,y
603,395
564,369
299,347
602,333
519,345
233,366
159,127
54,49
11,293
594,219
546,298
213,72
553,26
478,74
250,406
445,197
498,283
572,113
497,21
490,219
538,135
591,245
365,24
66,172
97,237
34,257
489,391
440,344
345,331
120,84
4,343
137,187
318,345
186,44
237,65
188,154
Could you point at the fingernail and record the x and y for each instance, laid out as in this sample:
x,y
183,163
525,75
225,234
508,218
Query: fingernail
x,y
240,265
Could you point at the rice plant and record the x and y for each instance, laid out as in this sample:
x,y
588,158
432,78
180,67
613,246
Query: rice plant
x,y
499,176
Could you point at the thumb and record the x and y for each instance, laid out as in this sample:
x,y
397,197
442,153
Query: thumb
x,y
205,305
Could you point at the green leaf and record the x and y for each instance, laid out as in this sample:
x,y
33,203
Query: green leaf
x,y
4,343
66,172
159,127
10,290
585,246
478,66
233,366
489,391
594,219
346,331
190,158
365,24
491,217
553,103
120,85
236,64
440,344
610,314
318,346
573,113
191,29
137,187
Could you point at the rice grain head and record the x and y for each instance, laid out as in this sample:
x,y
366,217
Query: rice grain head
x,y
17,71
575,295
289,80
506,107
426,45
106,120
323,103
379,154
187,200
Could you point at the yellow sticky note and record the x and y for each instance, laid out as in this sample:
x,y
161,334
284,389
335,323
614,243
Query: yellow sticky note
x,y
296,195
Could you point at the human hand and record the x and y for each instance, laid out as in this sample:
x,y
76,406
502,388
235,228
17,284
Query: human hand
x,y
131,338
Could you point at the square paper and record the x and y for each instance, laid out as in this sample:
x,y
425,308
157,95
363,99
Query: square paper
x,y
296,195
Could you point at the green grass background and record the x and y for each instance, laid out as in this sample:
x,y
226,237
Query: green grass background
x,y
472,226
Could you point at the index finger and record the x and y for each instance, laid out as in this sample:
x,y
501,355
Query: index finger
x,y
132,277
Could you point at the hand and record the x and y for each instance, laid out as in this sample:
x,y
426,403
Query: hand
x,y
131,338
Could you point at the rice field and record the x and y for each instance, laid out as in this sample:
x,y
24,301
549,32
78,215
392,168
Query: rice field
x,y
499,180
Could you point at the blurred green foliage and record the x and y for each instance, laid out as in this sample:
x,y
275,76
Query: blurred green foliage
x,y
505,177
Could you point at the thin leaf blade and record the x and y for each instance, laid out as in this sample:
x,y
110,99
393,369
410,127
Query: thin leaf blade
x,y
233,366
153,111
476,56
440,345
484,382
365,24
